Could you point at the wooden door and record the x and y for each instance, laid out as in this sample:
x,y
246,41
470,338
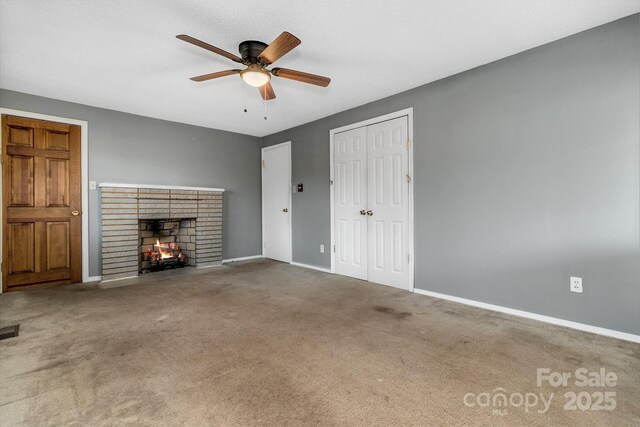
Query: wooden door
x,y
41,202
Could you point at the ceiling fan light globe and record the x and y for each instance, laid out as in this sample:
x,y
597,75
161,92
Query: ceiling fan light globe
x,y
256,78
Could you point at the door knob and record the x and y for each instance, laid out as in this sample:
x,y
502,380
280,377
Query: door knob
x,y
285,210
75,213
363,212
370,213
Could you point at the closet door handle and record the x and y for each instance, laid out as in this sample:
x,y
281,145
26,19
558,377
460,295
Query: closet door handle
x,y
363,212
370,213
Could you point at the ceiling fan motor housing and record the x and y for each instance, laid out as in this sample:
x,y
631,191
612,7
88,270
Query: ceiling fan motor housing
x,y
251,49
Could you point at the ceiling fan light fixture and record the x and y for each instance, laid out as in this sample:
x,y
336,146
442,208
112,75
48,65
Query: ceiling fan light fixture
x,y
255,76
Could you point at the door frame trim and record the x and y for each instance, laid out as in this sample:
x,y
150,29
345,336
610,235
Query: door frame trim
x,y
262,151
84,181
408,112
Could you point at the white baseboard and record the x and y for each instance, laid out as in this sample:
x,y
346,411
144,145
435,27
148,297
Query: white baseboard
x,y
542,318
311,267
119,278
208,266
244,258
93,279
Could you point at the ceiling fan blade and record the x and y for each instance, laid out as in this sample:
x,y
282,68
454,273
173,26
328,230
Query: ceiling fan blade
x,y
278,48
209,47
267,92
301,76
210,76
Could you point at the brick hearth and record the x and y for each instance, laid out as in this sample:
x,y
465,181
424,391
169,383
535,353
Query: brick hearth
x,y
125,208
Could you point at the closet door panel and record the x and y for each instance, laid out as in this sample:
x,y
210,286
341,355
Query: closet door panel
x,y
350,203
388,207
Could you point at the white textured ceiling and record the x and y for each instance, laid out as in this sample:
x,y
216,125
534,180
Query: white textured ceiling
x,y
123,54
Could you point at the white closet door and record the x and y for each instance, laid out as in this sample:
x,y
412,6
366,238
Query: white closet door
x,y
388,192
350,203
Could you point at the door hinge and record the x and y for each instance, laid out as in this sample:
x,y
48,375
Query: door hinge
x,y
408,258
408,178
334,248
264,164
330,182
408,144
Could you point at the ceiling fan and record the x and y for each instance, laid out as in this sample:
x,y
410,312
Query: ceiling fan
x,y
257,56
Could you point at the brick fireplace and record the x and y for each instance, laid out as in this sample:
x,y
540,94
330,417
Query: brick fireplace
x,y
136,218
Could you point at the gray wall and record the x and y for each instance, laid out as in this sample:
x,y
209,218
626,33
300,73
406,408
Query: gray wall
x,y
526,172
133,149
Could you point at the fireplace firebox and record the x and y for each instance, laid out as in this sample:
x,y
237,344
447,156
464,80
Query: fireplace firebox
x,y
166,243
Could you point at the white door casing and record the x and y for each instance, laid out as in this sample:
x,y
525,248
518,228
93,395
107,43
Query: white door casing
x,y
276,202
388,201
350,203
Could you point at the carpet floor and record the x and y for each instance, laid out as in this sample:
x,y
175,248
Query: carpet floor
x,y
266,343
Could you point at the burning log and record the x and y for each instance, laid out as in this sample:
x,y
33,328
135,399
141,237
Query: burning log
x,y
164,255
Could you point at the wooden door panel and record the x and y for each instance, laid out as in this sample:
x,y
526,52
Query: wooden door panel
x,y
58,245
57,190
41,152
25,280
56,140
21,169
19,214
33,124
19,135
22,255
41,189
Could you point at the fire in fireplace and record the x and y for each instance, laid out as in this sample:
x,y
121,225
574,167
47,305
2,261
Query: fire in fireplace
x,y
166,243
164,255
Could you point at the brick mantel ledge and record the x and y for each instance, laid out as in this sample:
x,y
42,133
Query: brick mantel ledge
x,y
159,187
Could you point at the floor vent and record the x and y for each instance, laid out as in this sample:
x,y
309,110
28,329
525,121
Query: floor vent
x,y
9,331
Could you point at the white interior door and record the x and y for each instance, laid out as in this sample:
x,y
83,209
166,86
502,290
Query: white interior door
x,y
276,198
388,203
350,203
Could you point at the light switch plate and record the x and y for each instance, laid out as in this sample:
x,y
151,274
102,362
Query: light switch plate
x,y
92,185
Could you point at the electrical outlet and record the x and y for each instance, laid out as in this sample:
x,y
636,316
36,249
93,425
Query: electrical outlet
x,y
575,284
321,249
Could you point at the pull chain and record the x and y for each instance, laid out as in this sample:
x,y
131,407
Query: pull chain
x,y
244,94
265,101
